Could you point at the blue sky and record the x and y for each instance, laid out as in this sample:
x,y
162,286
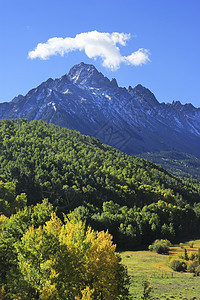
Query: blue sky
x,y
170,30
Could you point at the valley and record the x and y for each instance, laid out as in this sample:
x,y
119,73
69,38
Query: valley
x,y
166,283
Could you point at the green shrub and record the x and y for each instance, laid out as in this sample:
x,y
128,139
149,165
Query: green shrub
x,y
192,256
198,256
197,271
147,290
192,265
186,254
178,265
191,244
181,245
150,247
160,246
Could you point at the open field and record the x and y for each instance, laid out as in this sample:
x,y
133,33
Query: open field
x,y
167,283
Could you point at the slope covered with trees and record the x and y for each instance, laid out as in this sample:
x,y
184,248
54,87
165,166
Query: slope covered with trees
x,y
177,163
135,199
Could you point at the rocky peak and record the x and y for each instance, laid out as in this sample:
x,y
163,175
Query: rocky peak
x,y
85,74
143,95
114,82
176,103
17,99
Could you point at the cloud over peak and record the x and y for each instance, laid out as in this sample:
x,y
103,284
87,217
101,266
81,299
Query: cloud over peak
x,y
95,44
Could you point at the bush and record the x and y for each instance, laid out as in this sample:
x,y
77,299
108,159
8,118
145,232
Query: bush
x,y
160,246
197,271
178,265
192,256
150,247
147,290
186,254
181,245
198,256
192,265
191,244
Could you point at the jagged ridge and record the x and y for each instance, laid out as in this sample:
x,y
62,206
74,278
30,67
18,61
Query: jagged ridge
x,y
129,119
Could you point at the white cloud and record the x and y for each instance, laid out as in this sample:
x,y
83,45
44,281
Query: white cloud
x,y
95,44
137,58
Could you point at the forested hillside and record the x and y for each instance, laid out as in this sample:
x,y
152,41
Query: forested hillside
x,y
178,163
135,199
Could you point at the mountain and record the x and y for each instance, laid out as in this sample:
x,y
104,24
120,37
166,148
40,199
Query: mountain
x,y
131,120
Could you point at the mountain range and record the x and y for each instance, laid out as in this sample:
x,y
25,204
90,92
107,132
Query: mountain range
x,y
131,120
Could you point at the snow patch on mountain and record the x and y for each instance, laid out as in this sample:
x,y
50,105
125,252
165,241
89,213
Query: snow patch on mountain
x,y
86,100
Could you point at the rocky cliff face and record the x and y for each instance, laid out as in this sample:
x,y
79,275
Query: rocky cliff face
x,y
129,119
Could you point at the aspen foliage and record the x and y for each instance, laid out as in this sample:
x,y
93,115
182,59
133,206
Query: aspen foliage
x,y
71,261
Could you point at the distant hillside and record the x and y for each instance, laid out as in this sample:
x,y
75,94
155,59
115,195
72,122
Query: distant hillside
x,y
177,163
135,199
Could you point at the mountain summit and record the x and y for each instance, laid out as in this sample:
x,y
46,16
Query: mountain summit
x,y
85,74
129,119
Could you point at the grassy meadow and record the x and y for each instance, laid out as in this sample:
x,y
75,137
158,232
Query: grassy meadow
x,y
167,284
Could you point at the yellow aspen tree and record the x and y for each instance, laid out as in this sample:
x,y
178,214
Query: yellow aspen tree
x,y
70,261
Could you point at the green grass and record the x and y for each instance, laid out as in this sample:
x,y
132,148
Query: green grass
x,y
167,284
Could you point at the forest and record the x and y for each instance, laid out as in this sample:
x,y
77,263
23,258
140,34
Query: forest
x,y
136,200
178,163
91,188
42,257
